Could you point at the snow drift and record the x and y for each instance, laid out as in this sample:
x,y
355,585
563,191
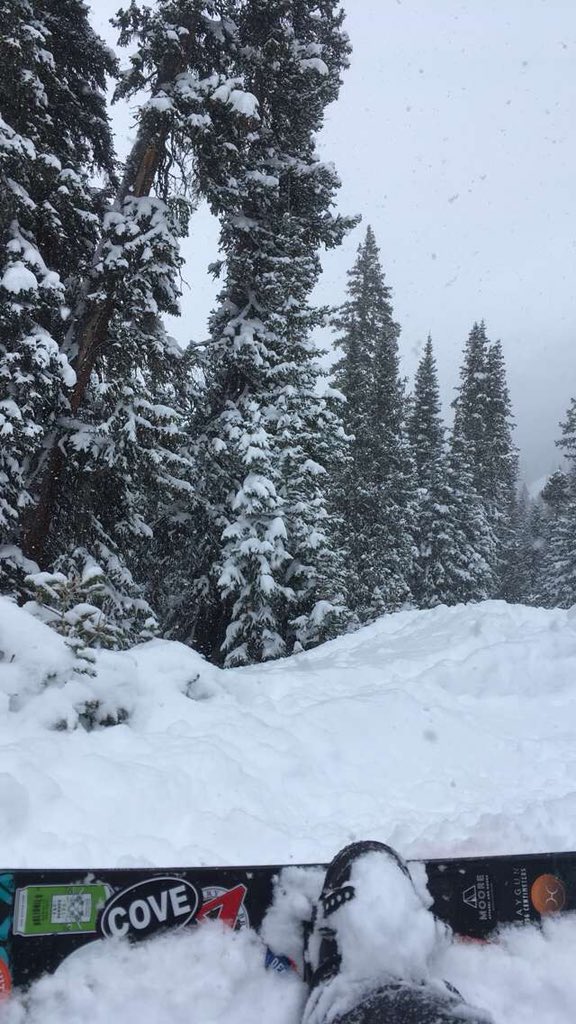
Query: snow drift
x,y
444,732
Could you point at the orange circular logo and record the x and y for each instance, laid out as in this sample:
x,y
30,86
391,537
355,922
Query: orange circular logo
x,y
548,894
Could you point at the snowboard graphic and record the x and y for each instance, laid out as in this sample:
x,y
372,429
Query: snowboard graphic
x,y
46,915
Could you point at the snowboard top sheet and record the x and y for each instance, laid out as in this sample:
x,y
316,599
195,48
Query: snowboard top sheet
x,y
46,915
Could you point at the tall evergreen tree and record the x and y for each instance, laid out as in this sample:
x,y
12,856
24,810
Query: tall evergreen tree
x,y
470,575
183,61
113,458
501,475
567,442
432,523
555,492
537,532
471,406
483,424
376,490
131,442
115,446
261,561
557,584
519,551
453,541
425,426
114,454
54,134
558,567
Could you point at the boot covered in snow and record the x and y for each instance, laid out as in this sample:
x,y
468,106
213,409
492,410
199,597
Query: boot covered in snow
x,y
371,944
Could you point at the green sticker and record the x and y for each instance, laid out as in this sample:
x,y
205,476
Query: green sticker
x,y
58,909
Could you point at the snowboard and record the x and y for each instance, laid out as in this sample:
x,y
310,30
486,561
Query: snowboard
x,y
46,915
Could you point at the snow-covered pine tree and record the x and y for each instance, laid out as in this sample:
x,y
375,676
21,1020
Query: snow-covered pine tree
x,y
116,459
425,426
111,448
453,540
376,491
567,442
555,492
54,135
262,561
351,491
435,512
483,424
557,583
501,477
520,551
469,570
125,468
471,404
557,587
182,60
538,518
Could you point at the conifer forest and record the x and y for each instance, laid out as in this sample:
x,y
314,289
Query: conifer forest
x,y
234,495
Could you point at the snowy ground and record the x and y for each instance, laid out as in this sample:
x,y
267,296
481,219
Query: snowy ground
x,y
443,732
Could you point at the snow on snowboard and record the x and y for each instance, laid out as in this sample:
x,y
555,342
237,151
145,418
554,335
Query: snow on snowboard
x,y
46,915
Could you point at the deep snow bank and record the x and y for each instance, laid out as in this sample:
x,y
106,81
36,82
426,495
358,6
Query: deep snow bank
x,y
442,732
450,731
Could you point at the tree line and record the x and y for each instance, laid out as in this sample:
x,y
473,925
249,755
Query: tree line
x,y
226,495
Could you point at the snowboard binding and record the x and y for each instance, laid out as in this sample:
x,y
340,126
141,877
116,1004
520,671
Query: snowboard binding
x,y
322,957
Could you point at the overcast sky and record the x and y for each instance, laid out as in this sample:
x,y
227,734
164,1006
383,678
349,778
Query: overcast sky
x,y
455,138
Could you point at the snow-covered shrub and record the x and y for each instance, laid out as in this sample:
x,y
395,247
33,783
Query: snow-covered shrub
x,y
85,608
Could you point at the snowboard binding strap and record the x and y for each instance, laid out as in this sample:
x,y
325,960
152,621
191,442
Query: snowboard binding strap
x,y
334,899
